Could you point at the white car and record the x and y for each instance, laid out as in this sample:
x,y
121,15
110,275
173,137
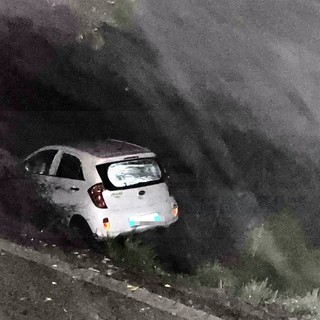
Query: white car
x,y
107,189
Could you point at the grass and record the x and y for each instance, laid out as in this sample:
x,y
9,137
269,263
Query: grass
x,y
279,250
216,276
257,292
132,254
308,306
277,266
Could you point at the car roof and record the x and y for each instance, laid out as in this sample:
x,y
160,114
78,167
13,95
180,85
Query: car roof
x,y
102,149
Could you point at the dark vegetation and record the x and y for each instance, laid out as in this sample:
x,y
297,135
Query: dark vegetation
x,y
25,216
76,93
53,93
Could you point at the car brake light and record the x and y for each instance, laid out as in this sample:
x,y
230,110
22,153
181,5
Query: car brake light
x,y
106,223
96,196
175,211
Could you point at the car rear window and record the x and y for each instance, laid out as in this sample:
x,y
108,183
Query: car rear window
x,y
132,173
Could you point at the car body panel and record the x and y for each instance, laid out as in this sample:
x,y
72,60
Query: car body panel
x,y
74,171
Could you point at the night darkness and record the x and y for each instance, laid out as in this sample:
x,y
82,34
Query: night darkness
x,y
225,92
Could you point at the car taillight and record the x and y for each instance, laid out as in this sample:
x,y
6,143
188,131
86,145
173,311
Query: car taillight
x,y
96,196
106,223
175,210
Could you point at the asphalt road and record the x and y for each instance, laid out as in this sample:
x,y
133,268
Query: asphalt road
x,y
32,291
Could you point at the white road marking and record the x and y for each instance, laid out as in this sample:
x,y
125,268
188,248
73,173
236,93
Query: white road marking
x,y
141,294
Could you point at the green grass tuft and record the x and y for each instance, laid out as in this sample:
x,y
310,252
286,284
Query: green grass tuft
x,y
132,254
258,292
307,306
216,276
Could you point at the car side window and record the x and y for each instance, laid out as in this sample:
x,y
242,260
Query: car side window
x,y
70,168
41,162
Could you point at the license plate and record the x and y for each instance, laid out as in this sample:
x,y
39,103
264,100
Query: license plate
x,y
147,219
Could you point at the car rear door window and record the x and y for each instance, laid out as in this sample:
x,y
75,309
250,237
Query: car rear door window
x,y
70,168
41,162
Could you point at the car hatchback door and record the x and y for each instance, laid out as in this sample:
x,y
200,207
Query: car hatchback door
x,y
69,185
137,183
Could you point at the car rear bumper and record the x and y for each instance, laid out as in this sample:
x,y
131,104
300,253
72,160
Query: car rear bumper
x,y
134,221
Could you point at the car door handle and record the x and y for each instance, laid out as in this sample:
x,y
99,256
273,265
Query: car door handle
x,y
74,188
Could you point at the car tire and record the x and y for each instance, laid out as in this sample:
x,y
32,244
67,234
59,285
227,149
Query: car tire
x,y
81,232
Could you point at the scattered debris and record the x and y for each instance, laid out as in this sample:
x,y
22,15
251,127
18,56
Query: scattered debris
x,y
80,37
132,288
47,299
83,255
75,252
23,298
3,253
54,283
94,270
54,266
111,2
44,244
167,285
110,272
53,245
144,309
105,260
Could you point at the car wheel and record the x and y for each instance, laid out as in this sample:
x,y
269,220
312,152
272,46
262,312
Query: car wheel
x,y
80,232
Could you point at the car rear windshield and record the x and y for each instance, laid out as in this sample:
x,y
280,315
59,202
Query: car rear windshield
x,y
129,174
